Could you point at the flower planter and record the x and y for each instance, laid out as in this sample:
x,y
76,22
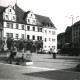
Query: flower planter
x,y
27,63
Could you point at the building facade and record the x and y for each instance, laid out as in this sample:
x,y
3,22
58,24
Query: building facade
x,y
68,34
18,24
76,34
60,40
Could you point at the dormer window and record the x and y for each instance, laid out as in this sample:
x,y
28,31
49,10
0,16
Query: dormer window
x,y
10,10
33,21
28,20
13,17
6,16
45,24
31,14
13,7
48,24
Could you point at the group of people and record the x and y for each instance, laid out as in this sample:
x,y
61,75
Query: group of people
x,y
17,55
52,52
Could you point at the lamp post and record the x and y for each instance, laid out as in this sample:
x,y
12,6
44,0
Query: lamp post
x,y
72,18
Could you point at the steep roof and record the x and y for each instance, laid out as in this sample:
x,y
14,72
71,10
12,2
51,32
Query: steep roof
x,y
21,17
43,19
19,14
2,9
76,23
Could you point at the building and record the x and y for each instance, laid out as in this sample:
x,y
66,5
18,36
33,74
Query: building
x,y
38,31
60,40
65,37
68,34
76,34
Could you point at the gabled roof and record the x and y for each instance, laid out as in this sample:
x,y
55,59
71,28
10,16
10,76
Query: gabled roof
x,y
21,17
19,14
25,14
68,29
2,9
76,23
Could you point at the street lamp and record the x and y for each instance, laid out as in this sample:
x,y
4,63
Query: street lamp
x,y
72,18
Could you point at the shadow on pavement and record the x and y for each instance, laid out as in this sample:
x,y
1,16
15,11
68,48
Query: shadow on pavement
x,y
55,75
63,58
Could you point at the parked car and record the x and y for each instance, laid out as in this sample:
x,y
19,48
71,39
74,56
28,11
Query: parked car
x,y
41,51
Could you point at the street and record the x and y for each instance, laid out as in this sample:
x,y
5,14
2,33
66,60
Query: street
x,y
44,68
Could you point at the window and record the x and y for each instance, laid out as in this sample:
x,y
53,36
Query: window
x,y
49,39
45,39
10,10
22,27
45,31
53,32
33,28
28,27
6,16
13,17
51,25
38,29
76,33
16,26
33,21
22,36
73,28
33,37
77,28
37,37
45,46
17,36
28,36
7,25
28,20
11,25
53,47
53,40
11,35
40,37
49,32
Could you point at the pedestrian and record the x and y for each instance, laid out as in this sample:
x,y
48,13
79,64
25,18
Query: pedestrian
x,y
50,51
54,53
13,53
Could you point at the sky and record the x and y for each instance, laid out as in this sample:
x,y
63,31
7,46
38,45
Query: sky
x,y
59,11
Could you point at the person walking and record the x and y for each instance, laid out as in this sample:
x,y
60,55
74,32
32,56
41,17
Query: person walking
x,y
13,53
54,53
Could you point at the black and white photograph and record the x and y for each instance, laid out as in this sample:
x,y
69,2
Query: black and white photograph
x,y
39,40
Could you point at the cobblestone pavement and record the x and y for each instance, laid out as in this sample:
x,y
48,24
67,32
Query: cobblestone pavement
x,y
44,68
